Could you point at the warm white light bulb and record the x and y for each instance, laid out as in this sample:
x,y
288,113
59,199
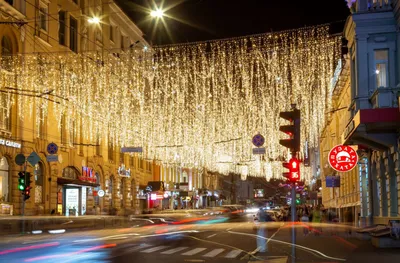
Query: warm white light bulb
x,y
94,20
157,13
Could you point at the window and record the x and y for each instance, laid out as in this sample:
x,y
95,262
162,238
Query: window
x,y
61,27
99,36
63,131
98,146
121,158
10,2
110,150
122,42
131,162
6,53
112,33
381,68
5,182
38,173
43,20
73,34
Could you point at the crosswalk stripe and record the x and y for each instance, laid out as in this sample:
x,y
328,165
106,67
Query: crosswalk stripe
x,y
172,251
153,249
135,248
214,252
233,253
193,251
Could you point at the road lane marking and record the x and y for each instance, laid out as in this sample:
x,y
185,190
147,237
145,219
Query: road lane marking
x,y
154,249
211,235
273,235
174,250
290,244
214,252
233,253
193,251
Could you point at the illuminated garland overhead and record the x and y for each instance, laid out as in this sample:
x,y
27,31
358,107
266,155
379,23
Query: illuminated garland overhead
x,y
194,104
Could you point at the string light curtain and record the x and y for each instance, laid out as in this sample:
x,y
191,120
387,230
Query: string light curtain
x,y
192,105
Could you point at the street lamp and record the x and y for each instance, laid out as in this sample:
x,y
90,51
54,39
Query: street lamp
x,y
157,13
94,20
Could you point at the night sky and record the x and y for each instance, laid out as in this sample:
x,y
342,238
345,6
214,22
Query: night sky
x,y
216,19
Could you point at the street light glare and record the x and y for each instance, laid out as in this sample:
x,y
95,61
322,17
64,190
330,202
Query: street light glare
x,y
94,20
157,13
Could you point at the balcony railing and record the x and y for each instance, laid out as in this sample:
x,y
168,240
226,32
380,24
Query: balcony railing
x,y
385,98
357,6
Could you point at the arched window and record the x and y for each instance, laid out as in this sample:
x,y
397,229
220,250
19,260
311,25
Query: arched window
x,y
39,184
97,198
4,181
70,173
6,52
110,190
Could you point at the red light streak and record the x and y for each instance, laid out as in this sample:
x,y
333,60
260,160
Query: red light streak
x,y
14,250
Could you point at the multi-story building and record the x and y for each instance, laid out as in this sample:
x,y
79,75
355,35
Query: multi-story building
x,y
372,119
72,182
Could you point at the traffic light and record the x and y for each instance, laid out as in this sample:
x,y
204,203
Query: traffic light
x,y
293,130
27,191
21,181
294,170
297,201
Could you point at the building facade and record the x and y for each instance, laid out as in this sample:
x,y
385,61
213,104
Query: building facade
x,y
372,118
83,177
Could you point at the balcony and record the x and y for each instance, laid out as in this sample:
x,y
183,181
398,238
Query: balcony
x,y
362,6
15,8
385,98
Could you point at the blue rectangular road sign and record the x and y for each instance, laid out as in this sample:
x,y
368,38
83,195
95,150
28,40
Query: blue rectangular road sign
x,y
52,158
131,149
259,150
332,181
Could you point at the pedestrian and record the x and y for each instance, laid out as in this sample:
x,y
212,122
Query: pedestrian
x,y
317,217
305,220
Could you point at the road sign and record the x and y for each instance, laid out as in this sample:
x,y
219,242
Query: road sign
x,y
52,158
100,193
131,149
343,158
258,140
333,181
259,150
52,148
33,158
20,159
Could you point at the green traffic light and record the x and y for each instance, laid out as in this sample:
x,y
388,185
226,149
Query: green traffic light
x,y
21,187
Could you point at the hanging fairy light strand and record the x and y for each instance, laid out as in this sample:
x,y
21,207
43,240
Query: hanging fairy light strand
x,y
193,104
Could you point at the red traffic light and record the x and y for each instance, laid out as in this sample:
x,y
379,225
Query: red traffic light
x,y
294,170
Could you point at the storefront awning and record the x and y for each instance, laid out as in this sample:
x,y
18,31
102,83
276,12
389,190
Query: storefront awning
x,y
61,180
373,128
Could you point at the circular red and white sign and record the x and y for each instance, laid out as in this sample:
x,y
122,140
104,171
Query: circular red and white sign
x,y
343,158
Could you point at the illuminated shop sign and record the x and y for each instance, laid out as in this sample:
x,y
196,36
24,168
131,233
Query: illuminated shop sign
x,y
122,171
88,175
258,193
10,143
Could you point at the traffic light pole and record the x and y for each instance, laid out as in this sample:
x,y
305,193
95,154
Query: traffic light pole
x,y
293,211
23,202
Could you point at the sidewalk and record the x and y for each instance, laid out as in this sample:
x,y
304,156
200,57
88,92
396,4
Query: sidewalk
x,y
368,253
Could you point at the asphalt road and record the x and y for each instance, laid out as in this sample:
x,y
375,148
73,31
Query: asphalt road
x,y
211,240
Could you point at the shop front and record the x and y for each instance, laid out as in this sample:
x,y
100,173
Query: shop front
x,y
6,207
73,190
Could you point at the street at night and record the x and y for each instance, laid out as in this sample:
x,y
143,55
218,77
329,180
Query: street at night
x,y
200,131
203,240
